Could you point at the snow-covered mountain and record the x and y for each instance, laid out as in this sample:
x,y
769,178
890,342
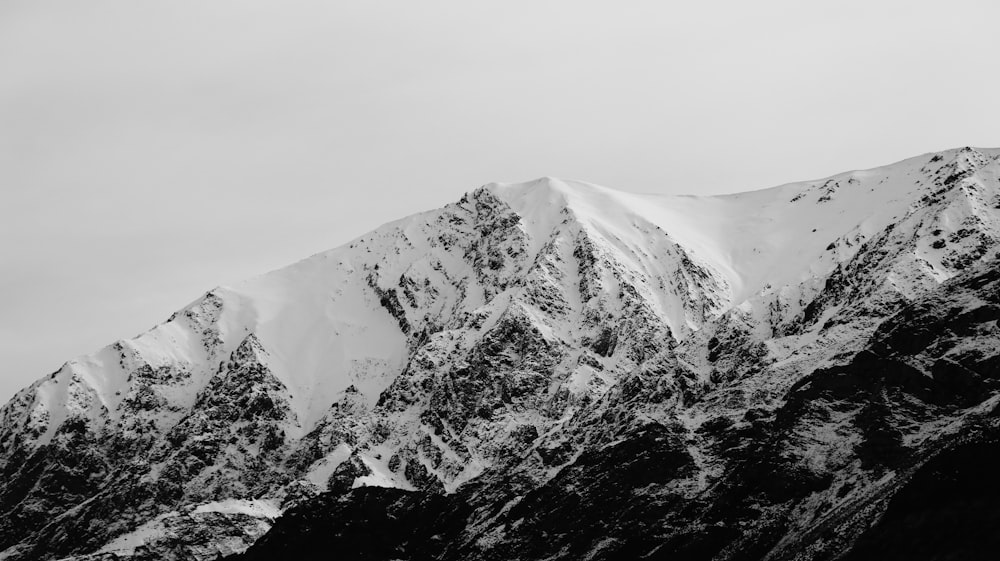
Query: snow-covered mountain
x,y
481,361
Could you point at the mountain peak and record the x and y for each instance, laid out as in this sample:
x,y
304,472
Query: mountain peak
x,y
516,331
552,192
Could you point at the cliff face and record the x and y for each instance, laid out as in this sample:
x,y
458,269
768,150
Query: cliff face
x,y
544,370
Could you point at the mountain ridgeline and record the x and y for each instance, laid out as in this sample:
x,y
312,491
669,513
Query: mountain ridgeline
x,y
556,370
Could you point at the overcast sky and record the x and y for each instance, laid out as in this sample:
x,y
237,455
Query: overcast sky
x,y
150,151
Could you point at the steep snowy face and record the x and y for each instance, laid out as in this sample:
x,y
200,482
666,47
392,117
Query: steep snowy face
x,y
769,239
350,316
767,244
420,354
462,340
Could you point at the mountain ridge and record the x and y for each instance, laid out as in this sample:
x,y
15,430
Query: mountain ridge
x,y
500,335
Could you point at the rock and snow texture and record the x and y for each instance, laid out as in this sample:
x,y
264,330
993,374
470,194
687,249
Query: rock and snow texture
x,y
513,332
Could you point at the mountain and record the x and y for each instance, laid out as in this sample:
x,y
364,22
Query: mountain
x,y
554,370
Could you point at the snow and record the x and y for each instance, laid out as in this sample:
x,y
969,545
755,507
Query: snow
x,y
323,468
257,508
376,460
322,341
767,238
127,543
324,329
165,525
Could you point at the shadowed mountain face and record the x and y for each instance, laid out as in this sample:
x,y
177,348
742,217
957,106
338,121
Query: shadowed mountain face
x,y
555,370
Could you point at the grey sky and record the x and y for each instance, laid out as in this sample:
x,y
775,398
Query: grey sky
x,y
150,151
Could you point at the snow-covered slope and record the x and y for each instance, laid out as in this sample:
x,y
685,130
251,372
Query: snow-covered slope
x,y
458,341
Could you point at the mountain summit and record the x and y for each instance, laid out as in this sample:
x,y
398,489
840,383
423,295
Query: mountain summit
x,y
762,375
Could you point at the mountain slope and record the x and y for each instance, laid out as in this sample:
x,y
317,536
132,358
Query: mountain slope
x,y
500,344
895,429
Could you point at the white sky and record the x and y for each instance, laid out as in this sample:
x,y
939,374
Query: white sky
x,y
150,151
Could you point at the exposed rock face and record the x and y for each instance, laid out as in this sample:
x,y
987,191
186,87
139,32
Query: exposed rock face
x,y
548,370
887,455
